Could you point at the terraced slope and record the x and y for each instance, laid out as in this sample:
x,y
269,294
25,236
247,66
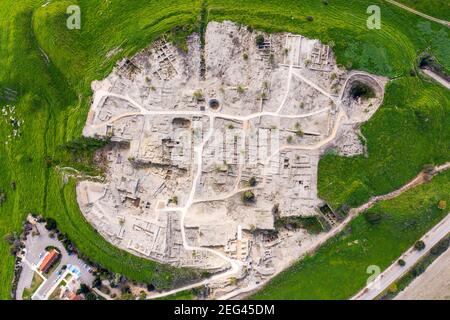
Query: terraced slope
x,y
51,68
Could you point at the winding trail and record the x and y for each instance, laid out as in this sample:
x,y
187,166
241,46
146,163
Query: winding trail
x,y
418,180
235,265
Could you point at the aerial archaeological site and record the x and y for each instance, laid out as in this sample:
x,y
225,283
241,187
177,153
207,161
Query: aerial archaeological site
x,y
224,150
211,147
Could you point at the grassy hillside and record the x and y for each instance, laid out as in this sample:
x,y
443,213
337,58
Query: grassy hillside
x,y
338,269
53,100
435,8
409,130
51,68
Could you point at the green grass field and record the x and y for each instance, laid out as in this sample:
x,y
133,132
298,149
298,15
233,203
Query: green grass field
x,y
408,131
53,99
435,8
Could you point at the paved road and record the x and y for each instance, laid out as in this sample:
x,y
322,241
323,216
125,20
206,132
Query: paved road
x,y
423,15
434,284
411,257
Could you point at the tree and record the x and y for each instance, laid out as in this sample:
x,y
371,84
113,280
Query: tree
x,y
260,40
372,217
97,283
419,245
248,196
50,224
393,288
90,296
83,289
240,89
252,182
442,204
2,197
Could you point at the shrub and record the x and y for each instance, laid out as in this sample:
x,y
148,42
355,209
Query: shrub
x,y
442,204
90,296
248,196
50,224
361,90
198,95
299,133
310,18
418,270
373,217
83,289
260,40
97,283
393,288
401,262
2,197
240,89
252,182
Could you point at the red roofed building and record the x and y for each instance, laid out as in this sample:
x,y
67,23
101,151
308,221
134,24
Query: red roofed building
x,y
73,296
49,260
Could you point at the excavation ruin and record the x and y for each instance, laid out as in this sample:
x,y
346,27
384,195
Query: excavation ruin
x,y
212,148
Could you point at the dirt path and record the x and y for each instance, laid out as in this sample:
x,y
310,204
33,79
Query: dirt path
x,y
423,15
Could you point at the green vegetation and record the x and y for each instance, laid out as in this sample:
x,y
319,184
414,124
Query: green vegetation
x,y
35,284
311,224
248,197
182,295
198,95
406,133
51,69
361,90
338,269
418,268
260,40
53,100
2,197
436,8
419,245
252,182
